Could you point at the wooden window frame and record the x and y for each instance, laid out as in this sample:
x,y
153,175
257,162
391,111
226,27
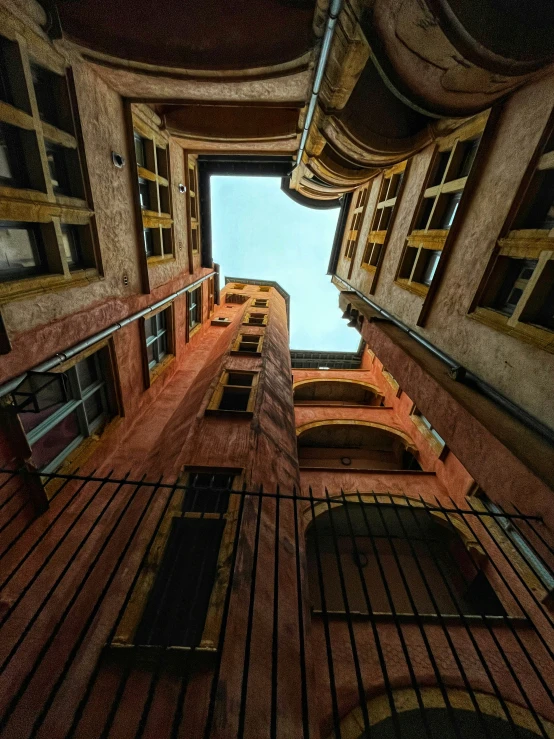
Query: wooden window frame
x,y
193,207
428,431
32,198
254,314
192,330
151,374
378,238
237,286
391,381
248,338
107,388
521,244
260,303
126,630
415,257
263,289
223,382
158,219
211,296
356,220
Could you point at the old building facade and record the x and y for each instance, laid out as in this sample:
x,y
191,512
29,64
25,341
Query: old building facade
x,y
204,533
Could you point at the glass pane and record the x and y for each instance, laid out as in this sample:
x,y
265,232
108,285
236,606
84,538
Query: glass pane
x,y
140,153
440,168
19,254
30,421
162,321
237,378
431,267
148,241
150,327
162,346
71,246
94,407
144,194
150,354
56,440
5,167
87,372
450,210
470,151
45,83
57,168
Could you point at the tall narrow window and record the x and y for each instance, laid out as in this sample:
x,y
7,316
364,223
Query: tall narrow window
x,y
255,319
449,171
57,431
356,220
518,296
158,338
152,171
211,296
193,205
260,303
236,392
429,431
383,218
194,308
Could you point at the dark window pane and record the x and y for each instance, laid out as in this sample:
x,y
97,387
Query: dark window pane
x,y
162,346
450,210
150,355
148,241
431,266
424,213
178,604
94,407
470,152
140,152
236,378
55,441
19,251
515,282
46,84
86,372
29,421
440,168
540,211
162,321
144,194
234,399
57,167
12,168
72,246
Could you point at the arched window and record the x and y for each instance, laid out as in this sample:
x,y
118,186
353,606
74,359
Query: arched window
x,y
393,559
336,392
356,446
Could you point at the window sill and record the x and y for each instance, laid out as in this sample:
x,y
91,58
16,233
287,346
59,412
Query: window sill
x,y
160,368
539,337
157,258
193,331
368,268
229,414
413,287
433,240
31,286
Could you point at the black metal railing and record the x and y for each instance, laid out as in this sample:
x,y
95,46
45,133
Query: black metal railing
x,y
184,610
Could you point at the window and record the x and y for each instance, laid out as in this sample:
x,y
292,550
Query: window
x,y
261,289
428,430
190,561
448,175
236,392
255,319
248,344
211,296
152,166
356,220
259,303
193,205
236,286
55,432
157,334
194,308
383,217
41,166
390,379
518,294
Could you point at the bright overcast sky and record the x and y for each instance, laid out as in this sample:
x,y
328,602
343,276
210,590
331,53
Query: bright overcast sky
x,y
260,233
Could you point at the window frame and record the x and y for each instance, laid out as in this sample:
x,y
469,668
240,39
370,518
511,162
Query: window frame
x,y
31,198
355,223
248,338
246,321
151,372
192,329
422,243
104,388
193,207
131,618
219,392
527,244
429,432
378,236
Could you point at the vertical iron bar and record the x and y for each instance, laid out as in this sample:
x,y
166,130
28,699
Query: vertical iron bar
x,y
300,606
325,618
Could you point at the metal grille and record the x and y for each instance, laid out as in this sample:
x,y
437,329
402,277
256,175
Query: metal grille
x,y
345,616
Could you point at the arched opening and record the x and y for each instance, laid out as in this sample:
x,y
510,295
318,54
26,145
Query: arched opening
x,y
356,446
336,392
382,558
424,713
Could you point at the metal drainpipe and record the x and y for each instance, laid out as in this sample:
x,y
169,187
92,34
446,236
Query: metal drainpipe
x,y
460,373
334,10
58,359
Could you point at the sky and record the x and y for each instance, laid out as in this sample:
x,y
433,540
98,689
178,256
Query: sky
x,y
258,232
